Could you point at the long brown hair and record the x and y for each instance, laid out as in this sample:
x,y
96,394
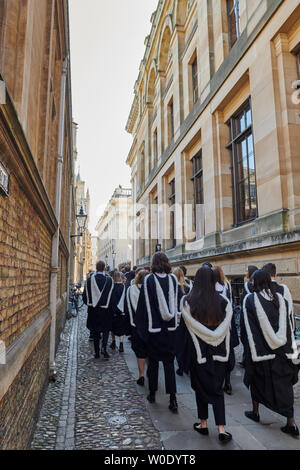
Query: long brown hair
x,y
139,278
219,275
204,301
180,276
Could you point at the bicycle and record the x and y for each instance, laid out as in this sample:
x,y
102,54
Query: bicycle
x,y
76,299
297,329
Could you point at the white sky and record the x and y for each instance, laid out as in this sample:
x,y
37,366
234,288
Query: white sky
x,y
107,46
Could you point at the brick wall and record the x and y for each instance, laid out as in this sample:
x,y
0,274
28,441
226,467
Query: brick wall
x,y
19,407
25,257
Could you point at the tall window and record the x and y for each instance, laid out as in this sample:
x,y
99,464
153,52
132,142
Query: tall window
x,y
171,120
155,149
234,24
197,179
298,62
243,166
195,80
172,215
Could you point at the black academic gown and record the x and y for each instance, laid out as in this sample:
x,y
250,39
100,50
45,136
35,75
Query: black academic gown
x,y
161,345
119,324
270,380
99,319
206,379
137,344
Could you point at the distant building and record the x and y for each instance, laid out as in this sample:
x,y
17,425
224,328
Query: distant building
x,y
83,244
94,252
215,122
114,230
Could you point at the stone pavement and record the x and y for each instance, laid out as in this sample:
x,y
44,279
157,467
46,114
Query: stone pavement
x,y
96,404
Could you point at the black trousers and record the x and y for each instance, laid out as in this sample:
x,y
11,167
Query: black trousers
x,y
97,337
218,408
170,379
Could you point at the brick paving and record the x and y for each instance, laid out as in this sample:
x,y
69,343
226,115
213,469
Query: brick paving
x,y
94,404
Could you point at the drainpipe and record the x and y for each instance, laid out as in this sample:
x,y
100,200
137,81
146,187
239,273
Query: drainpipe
x,y
55,240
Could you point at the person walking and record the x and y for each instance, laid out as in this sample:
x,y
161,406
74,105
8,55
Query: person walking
x,y
270,349
223,286
205,339
156,322
137,344
183,289
281,289
96,296
116,307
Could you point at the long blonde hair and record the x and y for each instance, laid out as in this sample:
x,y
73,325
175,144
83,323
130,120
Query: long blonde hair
x,y
118,277
140,276
181,279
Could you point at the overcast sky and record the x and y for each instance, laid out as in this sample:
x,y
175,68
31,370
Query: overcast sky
x,y
107,46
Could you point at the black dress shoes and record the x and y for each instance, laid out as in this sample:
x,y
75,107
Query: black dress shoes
x,y
225,437
293,430
203,431
173,406
105,354
113,345
121,348
228,389
141,381
97,356
252,415
151,397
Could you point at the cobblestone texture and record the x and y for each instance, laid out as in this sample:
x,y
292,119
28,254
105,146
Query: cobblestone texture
x,y
108,412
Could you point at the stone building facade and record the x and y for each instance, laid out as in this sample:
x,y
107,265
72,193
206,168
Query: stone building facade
x,y
35,211
215,122
82,244
114,230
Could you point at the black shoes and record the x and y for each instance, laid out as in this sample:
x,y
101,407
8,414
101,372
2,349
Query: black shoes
x,y
97,356
141,381
293,430
121,348
113,345
173,406
151,397
105,354
225,437
228,389
253,416
203,431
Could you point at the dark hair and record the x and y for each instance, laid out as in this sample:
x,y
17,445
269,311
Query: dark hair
x,y
130,277
251,269
270,268
134,268
207,264
217,275
127,268
262,281
204,301
183,269
160,263
100,266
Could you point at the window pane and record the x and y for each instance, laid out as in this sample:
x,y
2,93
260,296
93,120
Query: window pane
x,y
249,118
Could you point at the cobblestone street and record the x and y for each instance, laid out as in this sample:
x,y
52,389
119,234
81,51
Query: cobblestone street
x,y
96,404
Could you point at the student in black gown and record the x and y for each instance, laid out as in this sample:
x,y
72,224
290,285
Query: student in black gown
x,y
281,289
248,289
96,296
183,289
116,307
223,286
137,344
205,339
188,281
270,348
156,322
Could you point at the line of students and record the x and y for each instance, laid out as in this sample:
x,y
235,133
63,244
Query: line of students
x,y
170,317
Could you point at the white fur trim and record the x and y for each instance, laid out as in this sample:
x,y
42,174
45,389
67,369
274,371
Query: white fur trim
x,y
167,313
132,296
211,337
96,293
247,288
288,297
122,301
